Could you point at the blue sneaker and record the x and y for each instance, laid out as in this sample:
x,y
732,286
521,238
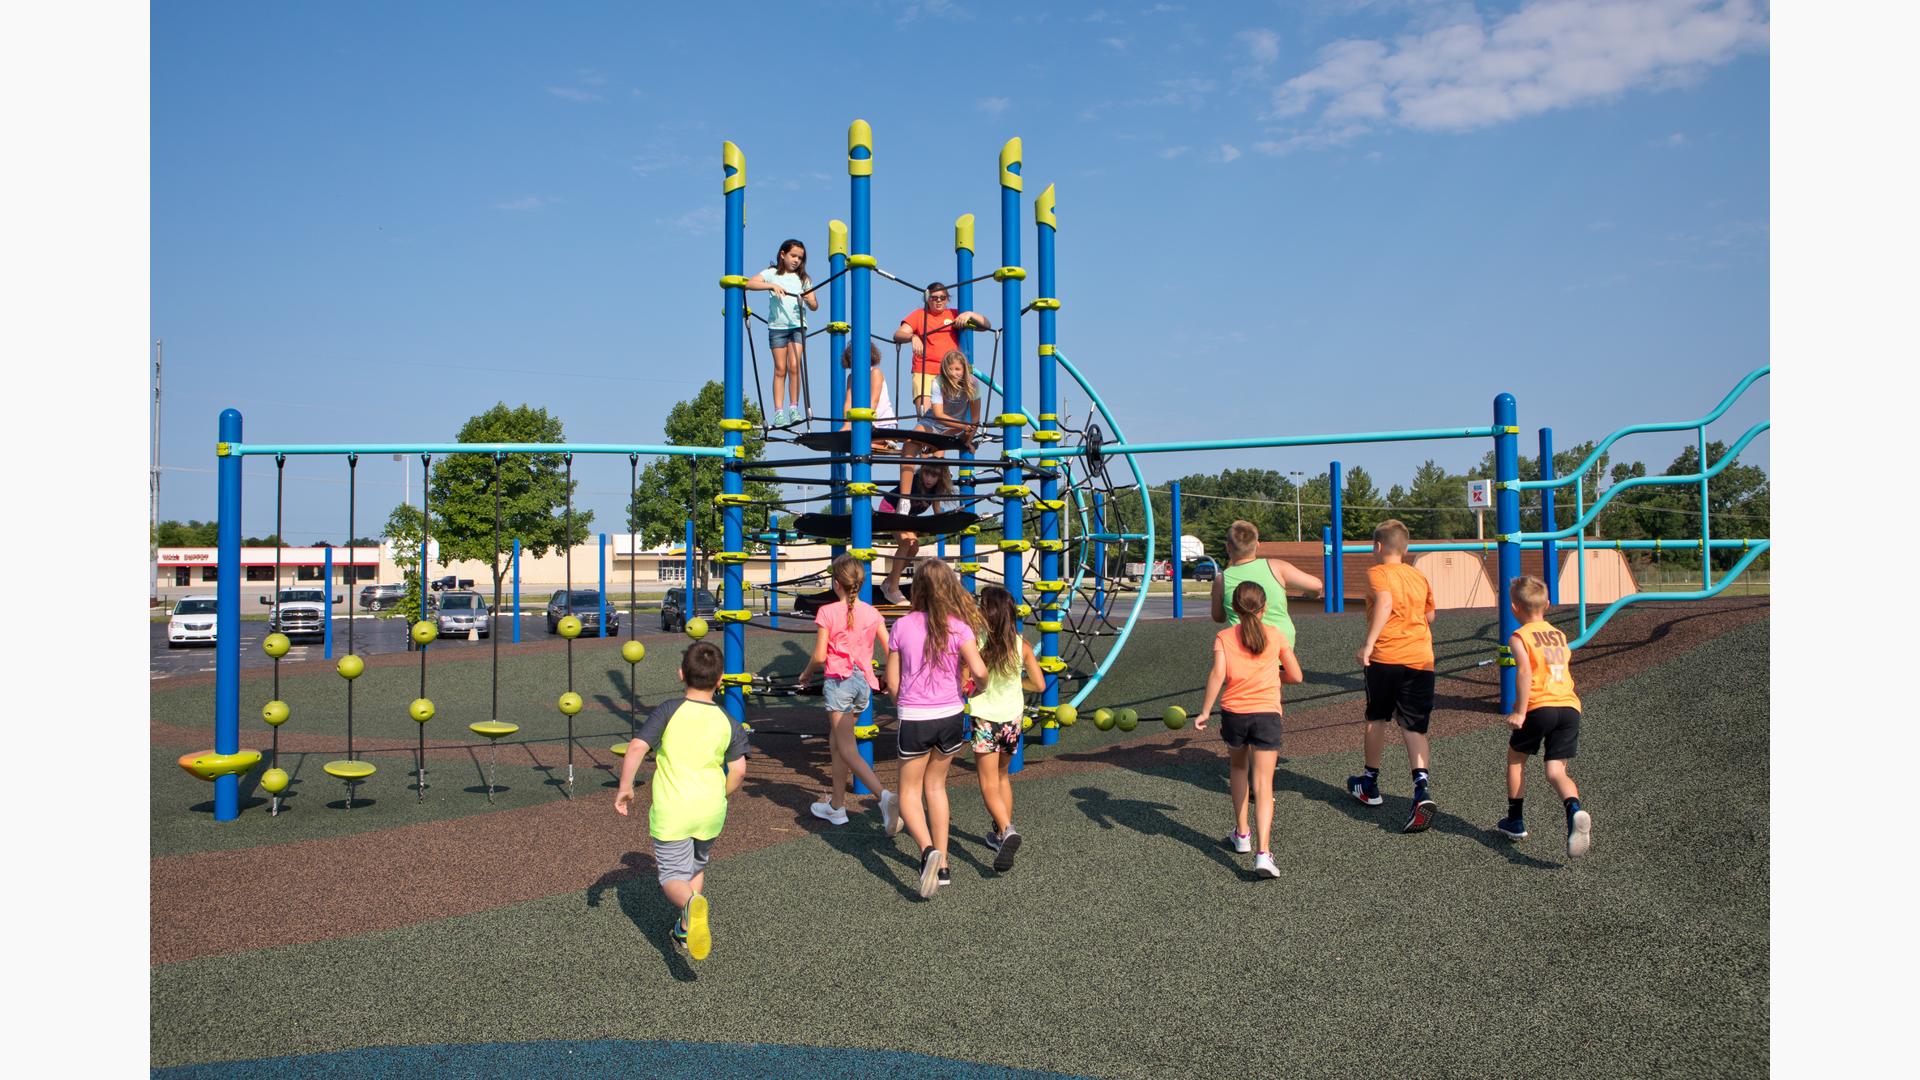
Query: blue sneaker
x,y
1422,817
1579,833
1512,828
1365,788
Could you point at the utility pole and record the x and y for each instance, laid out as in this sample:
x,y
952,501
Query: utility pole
x,y
406,482
153,496
1297,535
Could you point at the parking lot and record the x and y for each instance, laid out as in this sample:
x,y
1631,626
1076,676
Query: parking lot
x,y
370,636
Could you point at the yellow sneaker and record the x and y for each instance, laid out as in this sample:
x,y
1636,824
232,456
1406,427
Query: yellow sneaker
x,y
699,936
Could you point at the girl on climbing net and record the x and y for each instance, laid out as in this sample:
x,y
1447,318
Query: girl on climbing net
x,y
932,491
786,278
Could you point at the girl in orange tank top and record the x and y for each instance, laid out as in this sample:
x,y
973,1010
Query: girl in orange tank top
x,y
1250,661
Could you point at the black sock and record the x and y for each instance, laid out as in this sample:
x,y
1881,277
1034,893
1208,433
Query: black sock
x,y
1572,805
1373,772
1420,781
1513,808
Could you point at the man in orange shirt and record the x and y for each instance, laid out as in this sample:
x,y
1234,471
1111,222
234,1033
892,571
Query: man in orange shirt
x,y
1397,659
934,331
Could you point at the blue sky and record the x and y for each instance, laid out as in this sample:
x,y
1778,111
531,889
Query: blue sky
x,y
370,222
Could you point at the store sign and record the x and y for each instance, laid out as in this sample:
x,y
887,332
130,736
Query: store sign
x,y
1479,494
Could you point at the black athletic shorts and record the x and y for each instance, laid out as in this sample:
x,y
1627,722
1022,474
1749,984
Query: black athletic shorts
x,y
1400,693
947,735
1260,730
1556,725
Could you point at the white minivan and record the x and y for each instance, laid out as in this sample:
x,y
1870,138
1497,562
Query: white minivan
x,y
192,621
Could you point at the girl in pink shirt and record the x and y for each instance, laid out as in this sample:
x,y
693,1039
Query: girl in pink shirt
x,y
930,644
848,629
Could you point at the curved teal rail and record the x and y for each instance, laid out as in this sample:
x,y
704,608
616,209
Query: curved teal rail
x,y
1599,504
1638,429
1759,548
1146,506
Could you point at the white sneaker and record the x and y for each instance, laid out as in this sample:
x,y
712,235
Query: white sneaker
x,y
1579,834
1242,842
890,819
825,811
893,594
1263,866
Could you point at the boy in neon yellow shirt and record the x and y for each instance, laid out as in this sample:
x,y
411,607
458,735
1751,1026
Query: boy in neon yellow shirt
x,y
700,758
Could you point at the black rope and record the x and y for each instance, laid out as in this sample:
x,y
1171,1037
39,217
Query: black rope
x,y
633,593
426,527
493,617
279,504
568,540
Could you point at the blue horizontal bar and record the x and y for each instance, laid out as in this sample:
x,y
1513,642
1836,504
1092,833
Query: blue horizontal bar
x,y
291,449
1638,429
1121,448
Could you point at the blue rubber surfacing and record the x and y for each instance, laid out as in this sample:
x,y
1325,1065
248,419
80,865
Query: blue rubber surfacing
x,y
603,1057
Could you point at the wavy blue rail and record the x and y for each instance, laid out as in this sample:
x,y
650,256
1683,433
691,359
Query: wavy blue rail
x,y
1759,548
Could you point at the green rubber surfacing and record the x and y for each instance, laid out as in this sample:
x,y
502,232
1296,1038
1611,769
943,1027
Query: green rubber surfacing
x,y
1129,942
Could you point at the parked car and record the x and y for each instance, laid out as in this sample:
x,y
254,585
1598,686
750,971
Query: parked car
x,y
300,613
459,612
381,597
586,608
1201,570
192,621
673,615
450,582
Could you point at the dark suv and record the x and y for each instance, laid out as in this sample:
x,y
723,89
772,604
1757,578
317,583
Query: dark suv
x,y
673,615
1200,570
380,597
586,608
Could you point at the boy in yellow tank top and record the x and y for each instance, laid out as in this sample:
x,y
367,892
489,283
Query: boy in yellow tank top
x,y
1546,712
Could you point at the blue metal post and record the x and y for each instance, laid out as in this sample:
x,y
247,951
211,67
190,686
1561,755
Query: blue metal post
x,y
1012,532
734,186
226,656
1506,514
603,584
1100,557
963,296
1706,553
773,580
1174,572
1046,227
837,331
1549,549
1327,562
1339,579
860,371
516,590
326,613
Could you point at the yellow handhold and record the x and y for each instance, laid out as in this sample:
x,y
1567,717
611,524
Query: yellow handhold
x,y
222,449
863,487
860,412
1050,545
1052,665
1010,273
1015,545
1046,436
1008,419
1023,610
971,530
1049,627
1053,505
866,262
836,240
1043,210
736,425
1046,350
967,567
839,328
740,498
860,137
726,557
867,731
1010,164
733,615
737,678
733,165
863,554
1046,303
1050,586
733,281
1049,416
963,233
1013,491
211,765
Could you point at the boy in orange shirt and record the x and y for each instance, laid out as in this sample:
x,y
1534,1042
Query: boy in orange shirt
x,y
1545,710
1397,659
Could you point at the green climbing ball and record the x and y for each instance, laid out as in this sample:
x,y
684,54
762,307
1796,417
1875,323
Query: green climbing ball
x,y
1103,719
696,628
1126,719
570,703
1175,717
424,632
421,710
275,712
1026,723
274,781
350,666
1067,715
570,626
276,645
633,652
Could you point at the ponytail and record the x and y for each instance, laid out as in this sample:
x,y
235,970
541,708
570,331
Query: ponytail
x,y
1250,602
847,575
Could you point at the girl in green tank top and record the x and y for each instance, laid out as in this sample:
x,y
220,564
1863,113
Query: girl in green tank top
x,y
996,710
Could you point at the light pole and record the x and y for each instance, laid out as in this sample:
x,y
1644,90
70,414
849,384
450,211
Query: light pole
x,y
153,509
406,482
1297,535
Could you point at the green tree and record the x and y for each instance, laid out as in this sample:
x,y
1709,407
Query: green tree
x,y
671,488
533,492
403,532
1361,505
1436,504
188,533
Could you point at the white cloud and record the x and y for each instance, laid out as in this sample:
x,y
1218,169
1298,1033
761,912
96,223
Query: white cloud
x,y
1171,152
1097,15
1262,44
1117,44
933,9
652,161
1677,139
572,93
993,105
526,202
1549,54
1229,153
1164,9
706,219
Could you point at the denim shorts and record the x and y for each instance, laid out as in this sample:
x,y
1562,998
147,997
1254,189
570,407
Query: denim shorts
x,y
791,335
848,695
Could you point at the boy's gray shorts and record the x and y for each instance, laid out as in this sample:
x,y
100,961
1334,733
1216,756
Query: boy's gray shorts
x,y
680,860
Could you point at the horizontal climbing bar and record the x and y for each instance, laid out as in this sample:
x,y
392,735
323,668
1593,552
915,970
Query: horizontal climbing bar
x,y
1120,448
1640,429
292,449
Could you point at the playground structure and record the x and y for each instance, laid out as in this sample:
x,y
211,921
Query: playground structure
x,y
1073,578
